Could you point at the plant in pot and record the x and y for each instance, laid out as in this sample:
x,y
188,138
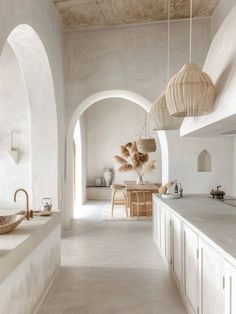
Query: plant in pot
x,y
133,160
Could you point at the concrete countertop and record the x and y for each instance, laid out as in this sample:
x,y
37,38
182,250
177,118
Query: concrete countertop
x,y
214,219
18,244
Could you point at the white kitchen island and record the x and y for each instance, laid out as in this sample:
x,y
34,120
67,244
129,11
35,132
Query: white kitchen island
x,y
29,260
196,237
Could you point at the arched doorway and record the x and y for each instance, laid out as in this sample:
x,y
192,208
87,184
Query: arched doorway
x,y
123,94
35,69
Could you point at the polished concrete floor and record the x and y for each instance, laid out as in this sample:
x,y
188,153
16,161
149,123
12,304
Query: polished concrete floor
x,y
110,268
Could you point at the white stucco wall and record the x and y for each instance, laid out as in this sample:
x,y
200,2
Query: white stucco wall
x,y
220,64
131,58
42,17
111,123
14,116
184,151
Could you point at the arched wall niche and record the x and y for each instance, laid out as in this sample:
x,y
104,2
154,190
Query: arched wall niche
x,y
36,72
204,161
122,94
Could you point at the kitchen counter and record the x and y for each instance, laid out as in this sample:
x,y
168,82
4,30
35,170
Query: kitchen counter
x,y
18,244
214,219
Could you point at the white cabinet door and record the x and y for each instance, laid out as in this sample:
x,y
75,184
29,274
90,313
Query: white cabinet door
x,y
190,269
154,219
230,289
168,238
162,229
177,249
211,280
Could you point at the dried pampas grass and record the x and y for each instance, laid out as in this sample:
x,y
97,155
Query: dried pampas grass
x,y
134,148
143,157
126,168
121,160
124,151
149,166
135,160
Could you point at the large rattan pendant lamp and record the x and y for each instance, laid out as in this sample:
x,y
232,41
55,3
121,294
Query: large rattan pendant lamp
x,y
159,115
191,91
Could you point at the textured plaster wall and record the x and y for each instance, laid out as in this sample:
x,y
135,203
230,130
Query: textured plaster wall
x,y
23,289
111,123
14,116
133,58
184,153
43,18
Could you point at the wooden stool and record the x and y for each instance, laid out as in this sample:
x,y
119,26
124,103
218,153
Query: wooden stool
x,y
141,201
118,200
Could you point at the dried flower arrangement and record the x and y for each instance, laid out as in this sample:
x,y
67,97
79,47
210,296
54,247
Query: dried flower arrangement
x,y
133,160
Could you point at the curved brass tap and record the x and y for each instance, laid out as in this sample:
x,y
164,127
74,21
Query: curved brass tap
x,y
27,201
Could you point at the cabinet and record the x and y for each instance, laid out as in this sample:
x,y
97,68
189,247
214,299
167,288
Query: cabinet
x,y
162,229
205,279
211,280
168,239
190,269
154,221
230,288
177,250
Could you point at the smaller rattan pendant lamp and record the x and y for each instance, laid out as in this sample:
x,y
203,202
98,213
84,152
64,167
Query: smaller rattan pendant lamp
x,y
145,143
159,116
190,92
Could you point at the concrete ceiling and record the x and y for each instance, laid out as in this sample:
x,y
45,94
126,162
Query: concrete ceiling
x,y
81,14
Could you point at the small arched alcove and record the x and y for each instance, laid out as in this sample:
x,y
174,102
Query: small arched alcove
x,y
204,161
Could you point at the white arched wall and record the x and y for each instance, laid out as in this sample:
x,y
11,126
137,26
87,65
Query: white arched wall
x,y
123,94
36,72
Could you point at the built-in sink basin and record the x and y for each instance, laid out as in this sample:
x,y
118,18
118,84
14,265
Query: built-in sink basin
x,y
9,223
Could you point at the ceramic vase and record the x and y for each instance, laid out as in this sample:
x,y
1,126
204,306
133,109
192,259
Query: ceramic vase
x,y
139,180
108,175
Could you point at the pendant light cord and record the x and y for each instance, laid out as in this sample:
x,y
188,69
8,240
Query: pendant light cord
x,y
190,30
168,44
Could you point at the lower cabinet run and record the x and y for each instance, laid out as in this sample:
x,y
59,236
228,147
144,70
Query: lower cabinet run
x,y
190,269
230,289
211,279
205,279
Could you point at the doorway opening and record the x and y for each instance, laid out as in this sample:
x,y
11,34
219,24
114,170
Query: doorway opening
x,y
112,95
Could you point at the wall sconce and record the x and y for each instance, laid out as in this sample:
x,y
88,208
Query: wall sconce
x,y
14,152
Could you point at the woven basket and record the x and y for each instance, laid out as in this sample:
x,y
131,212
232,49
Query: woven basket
x,y
190,92
160,118
146,145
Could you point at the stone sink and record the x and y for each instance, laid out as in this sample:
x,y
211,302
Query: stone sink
x,y
10,222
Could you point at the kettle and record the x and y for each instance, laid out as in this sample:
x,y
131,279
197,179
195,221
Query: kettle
x,y
46,204
218,194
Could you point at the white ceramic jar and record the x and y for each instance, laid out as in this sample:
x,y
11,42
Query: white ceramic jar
x,y
108,176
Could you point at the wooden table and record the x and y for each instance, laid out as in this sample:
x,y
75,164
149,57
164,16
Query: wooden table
x,y
131,186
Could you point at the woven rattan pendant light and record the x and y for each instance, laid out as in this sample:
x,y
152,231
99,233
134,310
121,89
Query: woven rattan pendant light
x,y
159,116
191,91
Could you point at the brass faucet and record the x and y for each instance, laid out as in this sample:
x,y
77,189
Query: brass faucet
x,y
27,201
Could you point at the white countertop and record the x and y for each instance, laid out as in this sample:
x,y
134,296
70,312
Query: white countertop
x,y
16,245
213,218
